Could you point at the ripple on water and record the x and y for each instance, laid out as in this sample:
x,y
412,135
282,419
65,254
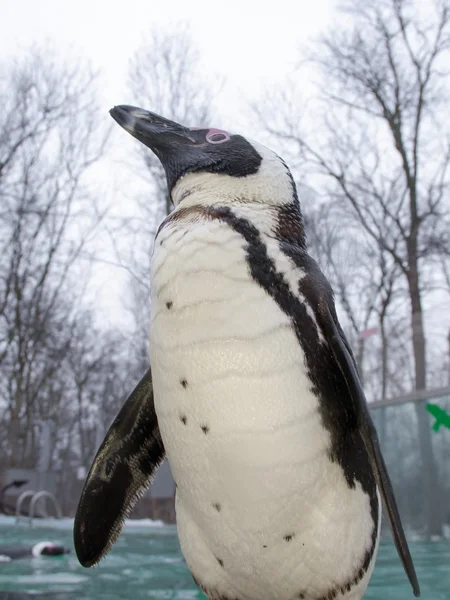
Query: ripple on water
x,y
50,579
148,564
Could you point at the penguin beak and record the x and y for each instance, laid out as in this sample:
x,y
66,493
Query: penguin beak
x,y
157,133
179,149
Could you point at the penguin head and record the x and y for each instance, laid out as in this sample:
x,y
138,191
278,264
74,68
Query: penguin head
x,y
210,163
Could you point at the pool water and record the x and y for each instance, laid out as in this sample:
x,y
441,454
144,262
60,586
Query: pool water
x,y
146,563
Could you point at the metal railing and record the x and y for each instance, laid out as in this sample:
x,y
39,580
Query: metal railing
x,y
35,497
414,396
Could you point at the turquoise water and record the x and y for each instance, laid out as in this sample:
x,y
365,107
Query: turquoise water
x,y
147,563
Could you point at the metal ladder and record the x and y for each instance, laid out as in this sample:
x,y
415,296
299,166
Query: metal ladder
x,y
35,496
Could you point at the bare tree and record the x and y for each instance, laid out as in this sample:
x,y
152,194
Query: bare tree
x,y
49,139
80,402
365,282
384,149
163,78
98,370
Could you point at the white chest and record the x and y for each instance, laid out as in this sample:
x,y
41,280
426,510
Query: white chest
x,y
257,497
226,364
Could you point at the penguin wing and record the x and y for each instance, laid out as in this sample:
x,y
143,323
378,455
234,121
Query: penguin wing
x,y
344,358
122,469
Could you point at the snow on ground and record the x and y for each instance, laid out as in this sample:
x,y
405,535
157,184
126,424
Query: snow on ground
x,y
66,523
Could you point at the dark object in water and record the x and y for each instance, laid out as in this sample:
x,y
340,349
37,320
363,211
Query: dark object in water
x,y
41,595
40,549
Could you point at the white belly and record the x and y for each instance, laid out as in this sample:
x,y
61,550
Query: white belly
x,y
261,511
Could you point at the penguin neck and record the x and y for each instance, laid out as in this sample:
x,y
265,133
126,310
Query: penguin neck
x,y
273,209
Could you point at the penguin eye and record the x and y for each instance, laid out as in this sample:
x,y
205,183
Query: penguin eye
x,y
215,136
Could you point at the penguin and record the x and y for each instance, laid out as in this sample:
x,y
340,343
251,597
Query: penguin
x,y
8,553
253,392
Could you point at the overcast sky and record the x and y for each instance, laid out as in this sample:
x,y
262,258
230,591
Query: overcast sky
x,y
253,44
250,43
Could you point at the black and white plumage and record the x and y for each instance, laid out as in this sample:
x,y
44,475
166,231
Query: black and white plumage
x,y
257,401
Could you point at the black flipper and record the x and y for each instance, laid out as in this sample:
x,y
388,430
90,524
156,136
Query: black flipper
x,y
122,470
344,358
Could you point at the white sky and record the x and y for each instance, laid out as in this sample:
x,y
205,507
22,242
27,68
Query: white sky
x,y
253,44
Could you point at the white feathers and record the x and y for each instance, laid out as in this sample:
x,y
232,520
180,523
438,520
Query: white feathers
x,y
270,186
241,426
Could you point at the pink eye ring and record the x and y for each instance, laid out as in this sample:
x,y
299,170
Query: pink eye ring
x,y
217,136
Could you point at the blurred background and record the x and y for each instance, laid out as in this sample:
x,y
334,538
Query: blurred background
x,y
355,97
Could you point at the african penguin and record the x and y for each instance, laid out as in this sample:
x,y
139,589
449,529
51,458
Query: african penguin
x,y
253,392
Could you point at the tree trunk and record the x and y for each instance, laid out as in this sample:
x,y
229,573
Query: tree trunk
x,y
384,378
14,432
430,485
360,359
13,439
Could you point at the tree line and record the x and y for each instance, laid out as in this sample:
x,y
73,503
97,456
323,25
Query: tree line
x,y
370,155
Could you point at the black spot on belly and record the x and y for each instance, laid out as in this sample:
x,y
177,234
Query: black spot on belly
x,y
183,419
205,429
264,546
217,506
169,305
301,596
220,561
343,589
331,595
184,383
288,538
